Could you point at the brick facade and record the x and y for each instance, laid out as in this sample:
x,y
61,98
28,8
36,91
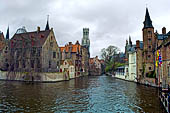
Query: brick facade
x,y
33,52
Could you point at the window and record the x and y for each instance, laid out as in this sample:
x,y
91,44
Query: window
x,y
33,51
17,54
149,47
168,71
149,33
149,56
17,63
150,68
149,40
54,54
38,63
51,44
57,63
23,63
49,64
32,63
57,55
60,70
140,70
127,70
38,54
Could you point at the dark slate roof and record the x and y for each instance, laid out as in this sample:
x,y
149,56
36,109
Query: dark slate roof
x,y
132,49
7,33
161,36
47,26
121,67
147,23
29,39
122,55
168,33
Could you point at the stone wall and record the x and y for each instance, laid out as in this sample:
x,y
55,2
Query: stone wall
x,y
49,60
33,77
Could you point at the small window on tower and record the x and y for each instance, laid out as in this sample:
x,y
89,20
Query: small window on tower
x,y
149,40
149,33
149,47
150,68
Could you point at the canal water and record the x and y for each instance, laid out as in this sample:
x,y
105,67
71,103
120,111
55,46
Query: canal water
x,y
93,94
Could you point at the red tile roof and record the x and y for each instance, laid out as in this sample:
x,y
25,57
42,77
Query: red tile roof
x,y
75,48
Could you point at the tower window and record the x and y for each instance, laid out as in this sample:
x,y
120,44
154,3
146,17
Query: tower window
x,y
150,33
150,68
149,47
149,40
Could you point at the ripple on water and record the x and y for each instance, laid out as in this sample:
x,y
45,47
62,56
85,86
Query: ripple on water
x,y
101,94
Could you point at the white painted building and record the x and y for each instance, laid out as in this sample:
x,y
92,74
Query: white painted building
x,y
132,67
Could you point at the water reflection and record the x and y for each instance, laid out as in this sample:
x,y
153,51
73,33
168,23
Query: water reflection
x,y
87,94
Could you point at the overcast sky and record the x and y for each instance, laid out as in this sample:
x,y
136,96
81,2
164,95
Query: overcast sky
x,y
110,21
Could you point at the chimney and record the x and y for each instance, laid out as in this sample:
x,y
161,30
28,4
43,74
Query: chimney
x,y
137,44
96,57
38,29
70,43
164,30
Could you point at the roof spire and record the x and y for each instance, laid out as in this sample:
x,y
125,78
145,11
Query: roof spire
x,y
7,33
148,22
130,41
47,25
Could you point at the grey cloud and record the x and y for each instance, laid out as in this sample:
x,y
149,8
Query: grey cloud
x,y
110,21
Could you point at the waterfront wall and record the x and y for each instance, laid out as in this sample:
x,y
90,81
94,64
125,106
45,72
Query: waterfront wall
x,y
34,77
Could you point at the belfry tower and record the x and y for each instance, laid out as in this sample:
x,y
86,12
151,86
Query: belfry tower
x,y
86,40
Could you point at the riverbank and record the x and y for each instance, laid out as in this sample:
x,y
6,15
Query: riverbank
x,y
36,76
144,81
164,95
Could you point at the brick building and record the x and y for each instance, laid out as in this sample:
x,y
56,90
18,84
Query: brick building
x,y
35,51
149,44
139,60
73,52
147,72
4,51
95,67
85,45
163,47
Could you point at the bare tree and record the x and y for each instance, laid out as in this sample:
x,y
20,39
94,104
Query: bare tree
x,y
108,55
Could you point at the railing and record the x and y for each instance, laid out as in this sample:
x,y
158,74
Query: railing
x,y
164,95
